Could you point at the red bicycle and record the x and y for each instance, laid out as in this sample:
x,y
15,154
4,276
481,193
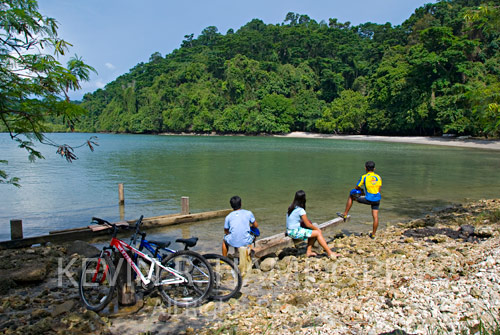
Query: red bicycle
x,y
183,279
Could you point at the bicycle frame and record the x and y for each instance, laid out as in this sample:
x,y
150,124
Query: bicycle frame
x,y
145,244
121,246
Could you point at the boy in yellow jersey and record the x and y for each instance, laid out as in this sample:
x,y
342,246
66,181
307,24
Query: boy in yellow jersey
x,y
372,183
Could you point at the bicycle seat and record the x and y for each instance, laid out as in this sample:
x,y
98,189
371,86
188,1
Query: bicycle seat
x,y
188,242
160,244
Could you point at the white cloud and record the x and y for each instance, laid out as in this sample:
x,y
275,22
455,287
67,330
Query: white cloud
x,y
110,66
99,84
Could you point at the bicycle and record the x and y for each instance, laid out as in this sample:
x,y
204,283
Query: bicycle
x,y
183,278
227,277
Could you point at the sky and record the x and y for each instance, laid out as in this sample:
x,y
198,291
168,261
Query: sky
x,y
115,35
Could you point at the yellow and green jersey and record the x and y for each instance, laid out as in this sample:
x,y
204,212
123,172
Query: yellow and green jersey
x,y
372,183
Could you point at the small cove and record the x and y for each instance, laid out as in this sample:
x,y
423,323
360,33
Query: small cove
x,y
264,171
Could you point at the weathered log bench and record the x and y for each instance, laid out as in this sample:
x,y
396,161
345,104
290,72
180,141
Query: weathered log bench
x,y
275,243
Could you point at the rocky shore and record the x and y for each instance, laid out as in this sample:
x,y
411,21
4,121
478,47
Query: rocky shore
x,y
436,275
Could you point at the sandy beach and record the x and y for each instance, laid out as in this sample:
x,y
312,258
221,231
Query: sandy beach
x,y
463,142
460,141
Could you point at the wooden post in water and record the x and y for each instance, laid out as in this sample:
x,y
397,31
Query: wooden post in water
x,y
184,205
16,229
121,196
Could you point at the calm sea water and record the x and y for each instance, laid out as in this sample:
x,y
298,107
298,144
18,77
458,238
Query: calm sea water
x,y
157,170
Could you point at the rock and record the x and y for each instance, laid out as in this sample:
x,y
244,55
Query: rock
x,y
74,318
81,248
5,285
475,292
41,327
440,238
491,261
208,307
396,332
267,264
298,300
28,273
310,279
285,263
447,308
125,311
466,230
484,232
40,313
164,317
288,309
153,301
316,322
63,308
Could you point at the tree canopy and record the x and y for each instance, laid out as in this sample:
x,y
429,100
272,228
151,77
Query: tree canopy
x,y
436,73
34,85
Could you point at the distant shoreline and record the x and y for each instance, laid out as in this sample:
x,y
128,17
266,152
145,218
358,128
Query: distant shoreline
x,y
427,140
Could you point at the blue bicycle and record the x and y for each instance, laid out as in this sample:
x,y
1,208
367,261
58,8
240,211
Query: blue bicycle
x,y
227,279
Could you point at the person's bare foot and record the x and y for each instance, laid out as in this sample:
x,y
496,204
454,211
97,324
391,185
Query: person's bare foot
x,y
311,254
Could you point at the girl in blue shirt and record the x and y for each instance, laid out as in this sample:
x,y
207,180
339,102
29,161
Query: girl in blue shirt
x,y
295,216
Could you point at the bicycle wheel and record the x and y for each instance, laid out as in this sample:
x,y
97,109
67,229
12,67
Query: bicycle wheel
x,y
227,277
96,284
197,275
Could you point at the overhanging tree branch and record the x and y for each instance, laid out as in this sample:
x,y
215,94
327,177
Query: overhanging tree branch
x,y
34,86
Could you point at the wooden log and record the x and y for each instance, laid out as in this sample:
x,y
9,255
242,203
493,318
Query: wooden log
x,y
67,230
279,241
52,238
166,221
83,233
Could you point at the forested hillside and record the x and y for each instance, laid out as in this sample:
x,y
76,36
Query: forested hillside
x,y
437,73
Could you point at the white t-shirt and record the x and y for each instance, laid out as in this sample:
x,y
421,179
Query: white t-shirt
x,y
293,220
238,223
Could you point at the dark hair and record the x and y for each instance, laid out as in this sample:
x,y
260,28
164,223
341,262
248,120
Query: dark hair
x,y
298,201
370,165
235,202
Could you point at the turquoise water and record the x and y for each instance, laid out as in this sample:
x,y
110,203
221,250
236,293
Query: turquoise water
x,y
265,171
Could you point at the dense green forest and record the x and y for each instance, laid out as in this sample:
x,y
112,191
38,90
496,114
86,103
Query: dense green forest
x,y
436,73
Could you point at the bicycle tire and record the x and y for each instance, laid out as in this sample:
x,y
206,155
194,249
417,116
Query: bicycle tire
x,y
96,285
199,277
227,277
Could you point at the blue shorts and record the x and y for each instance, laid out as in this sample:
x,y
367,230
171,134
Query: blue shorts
x,y
299,233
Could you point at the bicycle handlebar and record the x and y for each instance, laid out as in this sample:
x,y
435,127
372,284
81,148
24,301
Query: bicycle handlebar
x,y
100,221
114,226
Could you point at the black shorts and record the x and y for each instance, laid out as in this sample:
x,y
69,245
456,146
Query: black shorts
x,y
374,204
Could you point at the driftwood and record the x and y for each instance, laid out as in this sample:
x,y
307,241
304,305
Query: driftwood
x,y
279,241
90,232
